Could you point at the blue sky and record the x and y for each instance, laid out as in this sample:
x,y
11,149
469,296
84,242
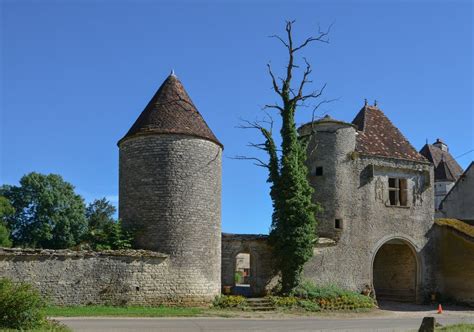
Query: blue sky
x,y
75,75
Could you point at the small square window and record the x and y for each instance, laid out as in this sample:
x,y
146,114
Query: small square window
x,y
319,171
338,224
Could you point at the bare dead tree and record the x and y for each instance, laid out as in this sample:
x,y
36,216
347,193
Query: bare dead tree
x,y
293,230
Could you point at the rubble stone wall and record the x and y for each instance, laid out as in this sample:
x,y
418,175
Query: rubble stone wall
x,y
129,277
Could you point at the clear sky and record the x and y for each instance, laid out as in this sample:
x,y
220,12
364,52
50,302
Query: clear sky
x,y
76,74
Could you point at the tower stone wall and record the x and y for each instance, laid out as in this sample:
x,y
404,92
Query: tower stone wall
x,y
330,148
170,197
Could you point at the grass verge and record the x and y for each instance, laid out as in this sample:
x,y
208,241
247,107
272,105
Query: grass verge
x,y
91,311
457,328
49,326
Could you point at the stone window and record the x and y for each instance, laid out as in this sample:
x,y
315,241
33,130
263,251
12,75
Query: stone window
x,y
318,171
397,192
338,223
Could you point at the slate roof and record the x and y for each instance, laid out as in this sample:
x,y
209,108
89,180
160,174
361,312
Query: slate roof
x,y
171,111
379,137
446,167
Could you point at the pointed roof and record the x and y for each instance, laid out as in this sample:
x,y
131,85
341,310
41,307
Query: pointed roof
x,y
443,172
171,111
378,136
437,156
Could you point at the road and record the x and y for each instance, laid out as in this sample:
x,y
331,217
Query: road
x,y
245,324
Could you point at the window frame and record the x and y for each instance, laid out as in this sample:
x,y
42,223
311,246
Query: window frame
x,y
397,192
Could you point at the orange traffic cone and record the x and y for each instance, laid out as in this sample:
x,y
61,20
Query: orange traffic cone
x,y
440,309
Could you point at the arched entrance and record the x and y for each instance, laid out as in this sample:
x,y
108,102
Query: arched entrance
x,y
395,271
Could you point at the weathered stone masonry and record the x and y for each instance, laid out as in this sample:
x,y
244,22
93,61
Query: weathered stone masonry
x,y
170,188
65,277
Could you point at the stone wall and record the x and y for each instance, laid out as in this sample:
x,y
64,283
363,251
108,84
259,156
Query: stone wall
x,y
125,277
65,277
170,197
455,268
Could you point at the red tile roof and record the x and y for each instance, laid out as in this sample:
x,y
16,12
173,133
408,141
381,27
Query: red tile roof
x,y
379,137
171,111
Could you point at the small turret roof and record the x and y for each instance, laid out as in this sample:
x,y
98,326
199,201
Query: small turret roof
x,y
449,170
378,136
171,111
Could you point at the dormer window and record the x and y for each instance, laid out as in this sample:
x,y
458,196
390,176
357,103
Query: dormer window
x,y
397,192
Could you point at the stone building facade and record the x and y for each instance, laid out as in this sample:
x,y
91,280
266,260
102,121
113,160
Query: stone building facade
x,y
376,193
459,202
376,230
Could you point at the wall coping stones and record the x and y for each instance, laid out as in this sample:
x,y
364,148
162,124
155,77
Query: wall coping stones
x,y
248,237
80,253
458,225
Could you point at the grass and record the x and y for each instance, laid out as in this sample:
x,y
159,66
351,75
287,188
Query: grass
x,y
91,311
457,328
49,326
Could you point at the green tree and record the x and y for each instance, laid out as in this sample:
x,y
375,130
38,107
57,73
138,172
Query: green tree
x,y
104,231
6,210
293,230
48,213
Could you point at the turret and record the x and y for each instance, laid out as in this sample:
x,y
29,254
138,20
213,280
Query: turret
x,y
170,189
331,145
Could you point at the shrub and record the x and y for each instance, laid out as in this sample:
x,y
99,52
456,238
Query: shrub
x,y
238,277
284,301
310,297
309,305
21,306
230,301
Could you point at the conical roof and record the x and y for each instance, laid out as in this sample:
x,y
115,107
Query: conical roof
x,y
171,111
378,136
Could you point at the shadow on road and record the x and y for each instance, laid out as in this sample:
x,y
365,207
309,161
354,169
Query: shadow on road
x,y
412,307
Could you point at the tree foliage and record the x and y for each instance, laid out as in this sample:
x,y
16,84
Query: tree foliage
x,y
104,232
293,230
6,210
48,213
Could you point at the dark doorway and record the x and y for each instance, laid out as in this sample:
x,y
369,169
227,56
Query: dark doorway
x,y
395,271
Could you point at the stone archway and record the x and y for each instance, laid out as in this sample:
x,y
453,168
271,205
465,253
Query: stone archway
x,y
395,270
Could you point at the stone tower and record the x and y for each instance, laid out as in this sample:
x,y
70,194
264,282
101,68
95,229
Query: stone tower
x,y
329,158
170,190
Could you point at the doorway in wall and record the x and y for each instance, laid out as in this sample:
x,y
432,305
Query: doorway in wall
x,y
242,275
395,272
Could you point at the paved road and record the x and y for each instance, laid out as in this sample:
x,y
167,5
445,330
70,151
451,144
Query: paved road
x,y
232,324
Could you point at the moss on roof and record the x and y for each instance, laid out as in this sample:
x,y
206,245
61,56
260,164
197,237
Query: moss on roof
x,y
457,225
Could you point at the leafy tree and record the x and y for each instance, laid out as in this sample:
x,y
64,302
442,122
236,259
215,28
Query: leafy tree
x,y
6,210
104,231
48,213
293,230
